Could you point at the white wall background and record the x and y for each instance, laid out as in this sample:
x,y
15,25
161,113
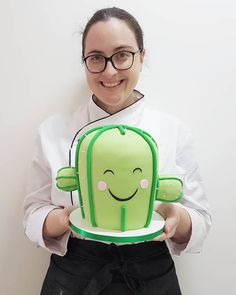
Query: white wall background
x,y
190,71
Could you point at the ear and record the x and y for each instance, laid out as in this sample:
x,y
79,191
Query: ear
x,y
142,54
170,189
66,179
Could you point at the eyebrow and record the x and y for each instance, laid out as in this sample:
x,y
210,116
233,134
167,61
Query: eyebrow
x,y
123,47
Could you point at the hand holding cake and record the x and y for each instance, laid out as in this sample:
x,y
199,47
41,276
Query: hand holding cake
x,y
178,223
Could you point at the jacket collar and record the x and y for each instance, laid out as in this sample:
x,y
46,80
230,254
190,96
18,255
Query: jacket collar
x,y
124,116
92,116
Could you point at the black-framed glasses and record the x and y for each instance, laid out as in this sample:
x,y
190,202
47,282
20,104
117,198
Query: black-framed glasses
x,y
121,60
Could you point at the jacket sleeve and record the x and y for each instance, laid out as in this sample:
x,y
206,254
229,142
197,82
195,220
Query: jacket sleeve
x,y
194,199
38,204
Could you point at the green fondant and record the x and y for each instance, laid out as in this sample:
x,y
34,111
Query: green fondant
x,y
66,179
122,129
122,149
170,189
122,218
122,154
155,181
114,239
119,203
82,180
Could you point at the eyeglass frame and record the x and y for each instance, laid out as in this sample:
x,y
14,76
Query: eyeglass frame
x,y
110,59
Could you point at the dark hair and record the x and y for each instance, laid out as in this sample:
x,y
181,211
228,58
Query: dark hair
x,y
107,13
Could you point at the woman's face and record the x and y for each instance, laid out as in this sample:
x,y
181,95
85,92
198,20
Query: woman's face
x,y
113,88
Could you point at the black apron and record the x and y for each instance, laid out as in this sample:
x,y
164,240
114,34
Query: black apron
x,y
92,268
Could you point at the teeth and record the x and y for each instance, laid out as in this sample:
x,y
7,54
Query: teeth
x,y
111,84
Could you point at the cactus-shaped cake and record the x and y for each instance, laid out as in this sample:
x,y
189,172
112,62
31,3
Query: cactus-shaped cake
x,y
116,175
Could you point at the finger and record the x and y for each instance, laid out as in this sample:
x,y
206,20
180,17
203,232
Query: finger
x,y
69,209
64,218
170,228
161,237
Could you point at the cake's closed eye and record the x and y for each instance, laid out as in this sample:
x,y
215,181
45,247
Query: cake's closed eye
x,y
137,169
108,171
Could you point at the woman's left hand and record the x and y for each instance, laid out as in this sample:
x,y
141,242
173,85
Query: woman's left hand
x,y
177,223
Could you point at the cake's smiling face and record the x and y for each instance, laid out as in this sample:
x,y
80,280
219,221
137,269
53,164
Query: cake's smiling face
x,y
111,184
121,174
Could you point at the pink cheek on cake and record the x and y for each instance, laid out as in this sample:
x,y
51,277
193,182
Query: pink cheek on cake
x,y
144,183
101,186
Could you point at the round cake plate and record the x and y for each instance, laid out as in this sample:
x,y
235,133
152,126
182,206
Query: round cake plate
x,y
78,225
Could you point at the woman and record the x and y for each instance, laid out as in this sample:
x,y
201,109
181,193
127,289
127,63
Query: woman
x,y
113,53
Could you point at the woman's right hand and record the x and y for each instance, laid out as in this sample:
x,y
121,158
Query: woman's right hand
x,y
57,222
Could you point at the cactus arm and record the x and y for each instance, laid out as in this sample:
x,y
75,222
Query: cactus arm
x,y
170,189
66,179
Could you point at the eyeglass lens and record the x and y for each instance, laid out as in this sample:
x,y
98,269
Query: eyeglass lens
x,y
121,61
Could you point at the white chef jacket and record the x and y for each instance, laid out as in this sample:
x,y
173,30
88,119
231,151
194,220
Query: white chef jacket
x,y
51,152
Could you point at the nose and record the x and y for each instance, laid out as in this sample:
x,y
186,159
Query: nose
x,y
109,70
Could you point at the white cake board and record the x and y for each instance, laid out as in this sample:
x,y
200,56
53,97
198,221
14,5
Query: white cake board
x,y
78,225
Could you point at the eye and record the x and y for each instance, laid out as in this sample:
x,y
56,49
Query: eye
x,y
108,171
138,169
122,55
95,58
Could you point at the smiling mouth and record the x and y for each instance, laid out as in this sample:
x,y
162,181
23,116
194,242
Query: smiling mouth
x,y
122,200
111,84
